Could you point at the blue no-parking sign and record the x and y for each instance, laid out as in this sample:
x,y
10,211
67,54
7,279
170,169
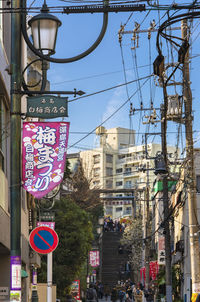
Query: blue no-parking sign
x,y
43,240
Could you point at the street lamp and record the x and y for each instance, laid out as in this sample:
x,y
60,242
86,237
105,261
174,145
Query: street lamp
x,y
44,28
44,31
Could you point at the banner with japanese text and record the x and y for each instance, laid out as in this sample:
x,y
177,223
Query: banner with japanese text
x,y
43,156
94,259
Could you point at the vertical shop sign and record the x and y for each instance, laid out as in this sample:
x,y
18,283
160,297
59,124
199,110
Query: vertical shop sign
x,y
161,250
43,156
94,258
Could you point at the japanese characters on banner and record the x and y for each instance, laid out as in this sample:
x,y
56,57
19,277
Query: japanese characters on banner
x,y
43,156
94,258
153,271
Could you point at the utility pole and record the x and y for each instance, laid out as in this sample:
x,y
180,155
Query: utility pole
x,y
190,173
147,230
15,155
168,270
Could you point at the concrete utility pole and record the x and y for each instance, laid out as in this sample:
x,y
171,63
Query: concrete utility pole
x,y
147,230
168,270
15,155
190,173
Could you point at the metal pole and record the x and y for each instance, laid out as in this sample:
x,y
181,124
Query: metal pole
x,y
147,226
34,297
49,276
15,157
190,173
168,269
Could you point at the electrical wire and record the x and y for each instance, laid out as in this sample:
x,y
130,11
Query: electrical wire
x,y
119,108
107,89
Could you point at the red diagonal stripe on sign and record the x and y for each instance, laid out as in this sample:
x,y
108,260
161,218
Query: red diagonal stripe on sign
x,y
43,239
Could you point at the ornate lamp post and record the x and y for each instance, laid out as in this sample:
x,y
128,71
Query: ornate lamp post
x,y
44,30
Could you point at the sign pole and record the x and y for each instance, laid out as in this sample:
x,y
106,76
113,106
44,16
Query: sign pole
x,y
49,276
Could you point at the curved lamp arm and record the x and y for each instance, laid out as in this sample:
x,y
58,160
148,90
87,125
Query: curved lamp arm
x,y
44,76
67,60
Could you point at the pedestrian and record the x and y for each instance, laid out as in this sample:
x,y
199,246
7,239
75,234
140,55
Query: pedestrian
x,y
91,294
149,295
114,295
138,295
122,295
106,291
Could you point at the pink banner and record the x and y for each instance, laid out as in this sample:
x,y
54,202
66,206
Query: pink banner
x,y
94,258
43,156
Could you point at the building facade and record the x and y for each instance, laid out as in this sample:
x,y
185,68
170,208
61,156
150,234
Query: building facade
x,y
121,169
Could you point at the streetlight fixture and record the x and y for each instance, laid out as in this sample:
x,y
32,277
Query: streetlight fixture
x,y
44,28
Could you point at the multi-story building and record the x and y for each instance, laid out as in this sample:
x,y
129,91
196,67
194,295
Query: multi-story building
x,y
180,228
121,169
28,258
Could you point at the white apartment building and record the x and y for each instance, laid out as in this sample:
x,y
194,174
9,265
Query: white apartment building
x,y
119,164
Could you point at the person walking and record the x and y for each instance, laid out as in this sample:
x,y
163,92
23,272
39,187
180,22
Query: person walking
x,y
106,291
138,295
114,295
149,295
91,294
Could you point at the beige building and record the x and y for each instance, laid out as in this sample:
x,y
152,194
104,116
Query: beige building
x,y
118,164
29,258
180,231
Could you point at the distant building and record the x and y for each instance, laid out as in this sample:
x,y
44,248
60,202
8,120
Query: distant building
x,y
119,165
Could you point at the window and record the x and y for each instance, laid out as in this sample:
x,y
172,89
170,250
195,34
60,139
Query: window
x,y
3,134
96,159
109,171
96,171
128,184
119,170
119,209
198,183
127,171
127,211
109,184
109,158
119,183
109,210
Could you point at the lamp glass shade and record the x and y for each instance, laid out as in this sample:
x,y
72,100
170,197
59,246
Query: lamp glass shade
x,y
44,29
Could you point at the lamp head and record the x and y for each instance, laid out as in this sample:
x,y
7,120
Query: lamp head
x,y
44,29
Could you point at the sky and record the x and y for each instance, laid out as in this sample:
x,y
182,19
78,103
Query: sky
x,y
110,65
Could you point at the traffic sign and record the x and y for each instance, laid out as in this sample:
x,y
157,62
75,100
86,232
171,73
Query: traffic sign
x,y
43,240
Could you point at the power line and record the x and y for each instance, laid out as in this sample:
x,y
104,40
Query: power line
x,y
107,89
147,78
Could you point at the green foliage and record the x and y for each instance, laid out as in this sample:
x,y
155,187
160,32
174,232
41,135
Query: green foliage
x,y
74,230
176,281
75,237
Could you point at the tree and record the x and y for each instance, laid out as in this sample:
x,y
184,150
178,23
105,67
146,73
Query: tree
x,y
132,240
74,230
82,194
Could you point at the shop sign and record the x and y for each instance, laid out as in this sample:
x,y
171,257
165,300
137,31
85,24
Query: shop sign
x,y
43,156
47,106
161,250
94,258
